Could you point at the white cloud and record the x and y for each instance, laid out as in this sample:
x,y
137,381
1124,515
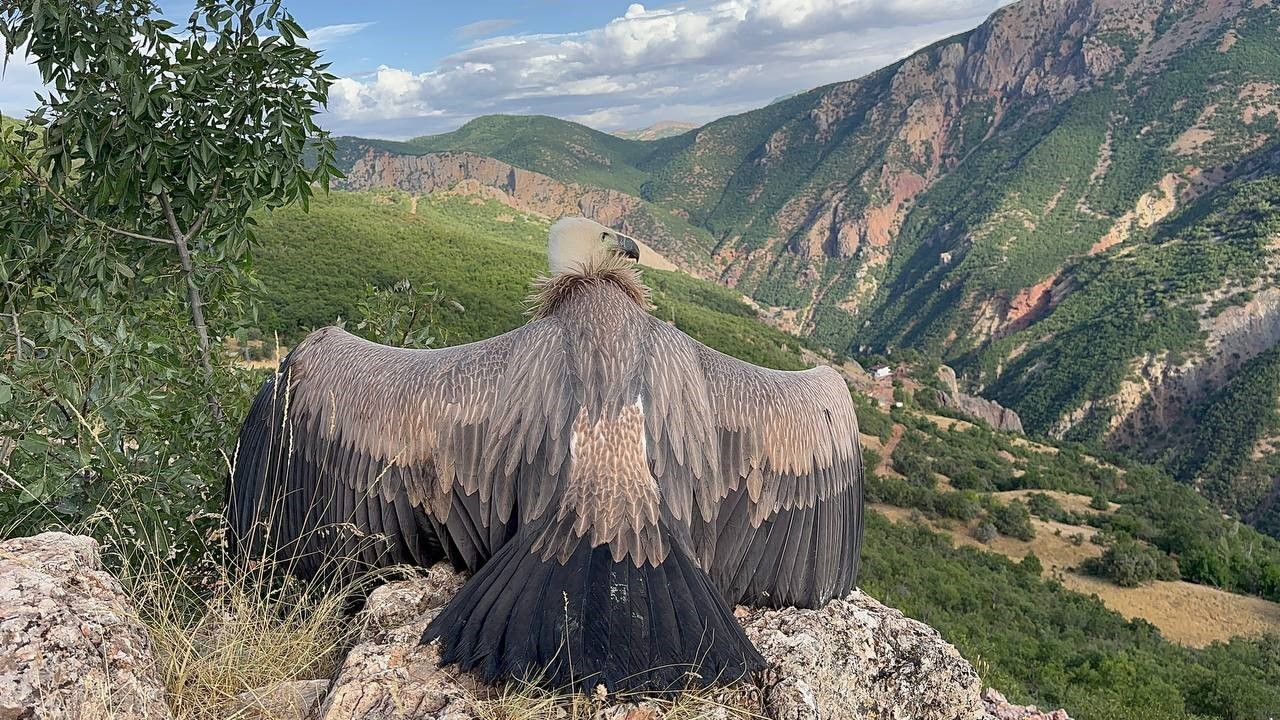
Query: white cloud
x,y
326,35
694,61
484,28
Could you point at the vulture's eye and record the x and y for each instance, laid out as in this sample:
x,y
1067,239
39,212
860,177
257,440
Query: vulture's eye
x,y
604,236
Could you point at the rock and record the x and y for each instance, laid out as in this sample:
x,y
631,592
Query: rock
x,y
988,411
389,673
998,708
296,700
857,658
71,645
852,658
467,173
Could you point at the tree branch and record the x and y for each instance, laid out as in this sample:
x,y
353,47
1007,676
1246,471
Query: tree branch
x,y
66,204
204,215
17,332
194,299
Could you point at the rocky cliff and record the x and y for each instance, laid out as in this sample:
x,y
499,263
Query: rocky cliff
x,y
469,173
988,411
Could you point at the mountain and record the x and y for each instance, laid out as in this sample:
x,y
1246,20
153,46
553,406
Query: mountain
x,y
1073,204
657,131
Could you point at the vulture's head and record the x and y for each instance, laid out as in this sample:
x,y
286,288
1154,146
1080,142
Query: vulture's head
x,y
577,243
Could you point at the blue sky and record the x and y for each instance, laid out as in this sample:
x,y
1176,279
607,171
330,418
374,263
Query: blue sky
x,y
411,68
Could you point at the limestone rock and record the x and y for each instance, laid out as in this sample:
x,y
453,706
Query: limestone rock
x,y
389,674
989,411
857,658
852,658
295,700
998,708
70,643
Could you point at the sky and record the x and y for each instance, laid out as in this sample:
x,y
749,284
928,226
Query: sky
x,y
415,68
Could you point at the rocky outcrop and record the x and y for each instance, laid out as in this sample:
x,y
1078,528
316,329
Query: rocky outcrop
x,y
852,658
293,700
71,645
523,189
998,708
857,658
389,673
1160,391
472,174
988,411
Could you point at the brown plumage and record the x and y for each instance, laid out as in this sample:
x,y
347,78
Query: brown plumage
x,y
615,484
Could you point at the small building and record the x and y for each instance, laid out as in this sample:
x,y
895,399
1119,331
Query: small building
x,y
880,372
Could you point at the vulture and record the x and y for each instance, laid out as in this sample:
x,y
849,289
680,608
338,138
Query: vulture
x,y
614,486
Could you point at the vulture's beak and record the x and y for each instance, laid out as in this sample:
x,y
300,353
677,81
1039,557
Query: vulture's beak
x,y
628,247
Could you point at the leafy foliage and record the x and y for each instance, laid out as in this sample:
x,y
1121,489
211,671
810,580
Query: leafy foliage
x,y
1012,519
1129,563
1042,643
125,206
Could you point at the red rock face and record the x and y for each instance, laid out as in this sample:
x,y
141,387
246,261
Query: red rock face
x,y
1029,305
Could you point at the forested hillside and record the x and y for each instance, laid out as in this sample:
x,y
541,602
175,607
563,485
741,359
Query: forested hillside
x,y
1040,641
1073,204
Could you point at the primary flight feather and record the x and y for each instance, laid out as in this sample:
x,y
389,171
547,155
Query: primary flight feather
x,y
615,485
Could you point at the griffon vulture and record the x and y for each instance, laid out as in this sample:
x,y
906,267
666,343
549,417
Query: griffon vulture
x,y
615,485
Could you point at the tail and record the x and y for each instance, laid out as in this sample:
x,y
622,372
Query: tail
x,y
592,621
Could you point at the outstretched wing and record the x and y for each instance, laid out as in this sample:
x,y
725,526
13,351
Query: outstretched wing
x,y
372,455
777,516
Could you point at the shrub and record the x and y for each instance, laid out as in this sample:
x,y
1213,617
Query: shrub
x,y
985,532
1013,520
1031,564
1129,563
1046,507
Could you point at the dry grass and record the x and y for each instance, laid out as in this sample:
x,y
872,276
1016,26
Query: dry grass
x,y
219,635
525,701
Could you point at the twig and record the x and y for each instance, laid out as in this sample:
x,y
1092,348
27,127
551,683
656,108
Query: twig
x,y
17,332
65,203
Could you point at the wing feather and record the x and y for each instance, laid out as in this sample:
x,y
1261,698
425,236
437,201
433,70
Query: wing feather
x,y
352,446
771,462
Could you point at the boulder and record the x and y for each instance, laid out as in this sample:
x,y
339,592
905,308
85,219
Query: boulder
x,y
852,658
293,700
390,674
998,708
71,645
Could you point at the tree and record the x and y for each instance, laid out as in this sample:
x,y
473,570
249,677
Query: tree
x,y
151,136
126,218
1013,519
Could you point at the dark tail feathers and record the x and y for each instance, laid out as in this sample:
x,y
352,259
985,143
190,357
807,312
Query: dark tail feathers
x,y
593,621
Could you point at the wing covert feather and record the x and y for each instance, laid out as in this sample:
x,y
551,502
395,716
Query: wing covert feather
x,y
464,434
